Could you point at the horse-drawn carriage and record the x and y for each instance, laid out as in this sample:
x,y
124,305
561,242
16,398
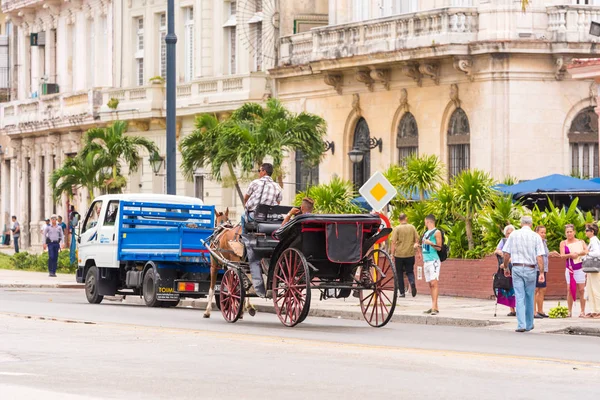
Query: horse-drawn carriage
x,y
331,253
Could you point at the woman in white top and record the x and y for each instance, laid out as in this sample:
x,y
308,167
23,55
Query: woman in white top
x,y
592,285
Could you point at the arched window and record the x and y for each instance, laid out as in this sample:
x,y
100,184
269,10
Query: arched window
x,y
305,176
407,140
362,136
583,140
459,136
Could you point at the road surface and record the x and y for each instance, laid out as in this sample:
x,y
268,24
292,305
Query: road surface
x,y
54,345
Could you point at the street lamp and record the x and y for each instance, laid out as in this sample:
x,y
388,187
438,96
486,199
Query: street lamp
x,y
156,163
595,28
358,152
171,41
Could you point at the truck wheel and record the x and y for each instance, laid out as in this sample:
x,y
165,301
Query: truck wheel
x,y
149,289
91,286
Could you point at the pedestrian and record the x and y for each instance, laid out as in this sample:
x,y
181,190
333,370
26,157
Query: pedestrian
x,y
525,249
572,249
16,231
540,287
404,242
54,239
505,297
431,244
592,286
62,225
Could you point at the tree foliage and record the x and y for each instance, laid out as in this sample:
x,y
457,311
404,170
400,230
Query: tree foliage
x,y
334,197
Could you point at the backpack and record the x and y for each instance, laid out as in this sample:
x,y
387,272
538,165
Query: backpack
x,y
443,251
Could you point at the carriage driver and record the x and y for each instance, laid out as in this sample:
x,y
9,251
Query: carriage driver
x,y
261,191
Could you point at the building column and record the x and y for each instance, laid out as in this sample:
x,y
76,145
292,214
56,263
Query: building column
x,y
24,216
5,189
13,188
35,201
24,74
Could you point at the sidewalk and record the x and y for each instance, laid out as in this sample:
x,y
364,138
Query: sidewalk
x,y
454,311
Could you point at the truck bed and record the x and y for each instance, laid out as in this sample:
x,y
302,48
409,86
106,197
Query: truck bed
x,y
164,232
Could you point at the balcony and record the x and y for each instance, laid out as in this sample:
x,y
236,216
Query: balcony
x,y
203,95
12,5
50,113
399,32
439,32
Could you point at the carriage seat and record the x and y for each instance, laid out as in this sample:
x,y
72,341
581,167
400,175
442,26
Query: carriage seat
x,y
267,219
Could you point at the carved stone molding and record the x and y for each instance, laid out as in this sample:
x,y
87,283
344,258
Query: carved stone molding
x,y
454,97
432,71
383,76
334,80
412,71
465,65
404,100
143,126
364,77
560,67
161,122
356,104
593,94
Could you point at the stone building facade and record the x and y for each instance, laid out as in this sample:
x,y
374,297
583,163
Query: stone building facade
x,y
477,82
75,56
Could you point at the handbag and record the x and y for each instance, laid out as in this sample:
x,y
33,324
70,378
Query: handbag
x,y
591,265
501,281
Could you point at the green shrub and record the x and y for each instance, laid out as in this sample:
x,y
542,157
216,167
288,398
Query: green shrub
x,y
39,262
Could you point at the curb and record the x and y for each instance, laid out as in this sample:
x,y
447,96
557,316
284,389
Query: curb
x,y
579,330
43,285
343,314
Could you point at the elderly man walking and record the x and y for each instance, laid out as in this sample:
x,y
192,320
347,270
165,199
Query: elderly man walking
x,y
525,249
54,238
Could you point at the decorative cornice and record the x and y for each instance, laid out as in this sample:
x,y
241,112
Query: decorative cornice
x,y
431,70
465,65
383,76
412,71
364,76
560,66
335,80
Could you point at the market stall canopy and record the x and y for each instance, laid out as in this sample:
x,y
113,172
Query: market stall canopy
x,y
552,184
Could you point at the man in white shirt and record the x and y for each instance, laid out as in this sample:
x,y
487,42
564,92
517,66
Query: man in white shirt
x,y
524,248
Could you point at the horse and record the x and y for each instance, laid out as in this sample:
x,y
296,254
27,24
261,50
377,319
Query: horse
x,y
221,245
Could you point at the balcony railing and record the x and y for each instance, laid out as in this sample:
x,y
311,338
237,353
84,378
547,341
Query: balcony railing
x,y
571,23
11,5
49,111
440,26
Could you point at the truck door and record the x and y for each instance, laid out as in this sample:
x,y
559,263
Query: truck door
x,y
107,237
88,249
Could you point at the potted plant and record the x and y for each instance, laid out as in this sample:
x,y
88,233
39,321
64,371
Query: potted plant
x,y
157,80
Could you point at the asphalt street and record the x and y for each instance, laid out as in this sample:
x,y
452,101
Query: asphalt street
x,y
54,345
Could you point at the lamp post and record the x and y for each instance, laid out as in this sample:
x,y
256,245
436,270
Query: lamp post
x,y
171,41
156,163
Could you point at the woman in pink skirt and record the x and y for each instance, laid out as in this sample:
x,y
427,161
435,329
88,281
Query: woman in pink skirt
x,y
572,249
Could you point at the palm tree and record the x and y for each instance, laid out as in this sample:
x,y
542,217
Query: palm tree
x,y
211,145
472,192
114,147
273,131
334,197
421,174
76,173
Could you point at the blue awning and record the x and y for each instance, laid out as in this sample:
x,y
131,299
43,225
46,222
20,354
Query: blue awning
x,y
552,184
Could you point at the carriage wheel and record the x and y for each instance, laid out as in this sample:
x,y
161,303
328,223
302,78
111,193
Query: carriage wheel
x,y
291,287
231,297
378,299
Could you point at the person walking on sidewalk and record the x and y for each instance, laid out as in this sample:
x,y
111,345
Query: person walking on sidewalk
x,y
16,231
572,249
525,249
54,239
505,296
540,287
431,244
593,278
404,242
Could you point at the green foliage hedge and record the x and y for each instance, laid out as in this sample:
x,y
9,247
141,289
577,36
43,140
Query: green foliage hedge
x,y
39,262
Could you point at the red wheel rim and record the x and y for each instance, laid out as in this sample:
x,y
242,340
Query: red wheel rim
x,y
291,294
231,298
378,303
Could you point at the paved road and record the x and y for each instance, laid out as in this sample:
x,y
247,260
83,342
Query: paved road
x,y
53,345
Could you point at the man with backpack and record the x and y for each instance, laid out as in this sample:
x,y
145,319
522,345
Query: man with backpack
x,y
432,244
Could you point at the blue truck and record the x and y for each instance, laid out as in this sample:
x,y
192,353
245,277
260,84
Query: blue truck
x,y
146,245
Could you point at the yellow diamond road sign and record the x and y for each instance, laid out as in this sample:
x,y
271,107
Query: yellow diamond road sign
x,y
378,191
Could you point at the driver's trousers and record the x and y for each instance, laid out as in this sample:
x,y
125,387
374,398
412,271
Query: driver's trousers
x,y
256,272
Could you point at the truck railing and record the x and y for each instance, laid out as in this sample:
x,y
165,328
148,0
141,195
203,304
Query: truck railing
x,y
156,230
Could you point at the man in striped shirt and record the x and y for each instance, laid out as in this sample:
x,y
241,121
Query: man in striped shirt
x,y
524,248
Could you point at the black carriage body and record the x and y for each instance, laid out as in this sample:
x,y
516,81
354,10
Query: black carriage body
x,y
332,244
